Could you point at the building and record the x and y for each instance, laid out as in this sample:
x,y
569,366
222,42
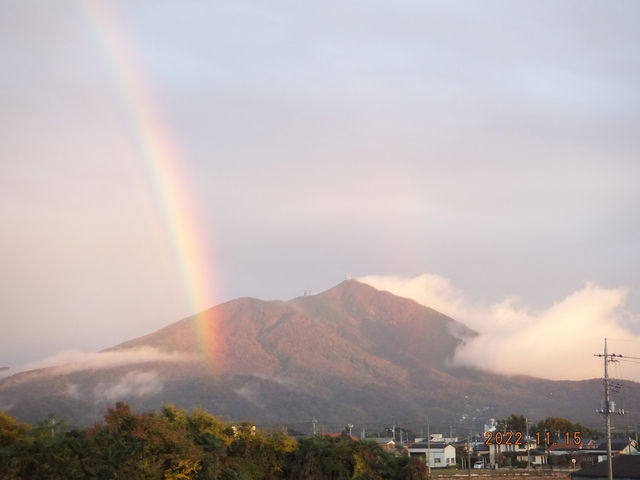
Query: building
x,y
535,456
515,450
625,467
386,443
441,454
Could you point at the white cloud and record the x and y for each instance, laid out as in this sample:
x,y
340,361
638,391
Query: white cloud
x,y
133,384
431,290
70,361
557,342
73,391
251,392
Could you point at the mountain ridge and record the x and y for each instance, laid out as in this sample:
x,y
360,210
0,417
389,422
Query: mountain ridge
x,y
350,354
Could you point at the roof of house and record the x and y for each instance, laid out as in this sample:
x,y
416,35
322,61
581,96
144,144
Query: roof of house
x,y
523,453
384,441
624,466
617,444
535,451
434,445
337,435
570,446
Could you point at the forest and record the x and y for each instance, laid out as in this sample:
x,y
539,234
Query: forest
x,y
175,444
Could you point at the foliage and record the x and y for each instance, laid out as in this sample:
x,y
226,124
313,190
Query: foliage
x,y
10,429
549,424
49,427
176,445
338,458
515,423
562,425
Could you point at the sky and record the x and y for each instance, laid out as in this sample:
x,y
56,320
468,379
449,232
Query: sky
x,y
158,158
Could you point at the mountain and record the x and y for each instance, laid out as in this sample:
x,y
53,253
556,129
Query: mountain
x,y
350,354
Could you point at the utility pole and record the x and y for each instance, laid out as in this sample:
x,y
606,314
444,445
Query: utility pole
x,y
428,449
608,405
607,400
526,422
469,455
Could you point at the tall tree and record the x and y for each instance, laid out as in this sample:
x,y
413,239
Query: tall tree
x,y
10,429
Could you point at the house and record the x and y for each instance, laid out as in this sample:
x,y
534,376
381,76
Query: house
x,y
482,451
583,452
535,456
563,448
339,435
440,454
620,447
387,444
624,467
497,450
589,452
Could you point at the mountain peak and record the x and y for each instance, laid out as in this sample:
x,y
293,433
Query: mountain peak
x,y
349,353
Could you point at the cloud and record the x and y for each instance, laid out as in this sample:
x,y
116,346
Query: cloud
x,y
73,391
70,361
431,290
7,406
251,392
557,342
133,384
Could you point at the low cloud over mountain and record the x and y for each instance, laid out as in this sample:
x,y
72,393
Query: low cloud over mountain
x,y
70,361
561,338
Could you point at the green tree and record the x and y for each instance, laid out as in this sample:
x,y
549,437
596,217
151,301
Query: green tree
x,y
559,427
175,445
344,458
259,455
50,427
515,423
10,429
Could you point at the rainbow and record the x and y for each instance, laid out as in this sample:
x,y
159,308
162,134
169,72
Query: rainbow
x,y
165,166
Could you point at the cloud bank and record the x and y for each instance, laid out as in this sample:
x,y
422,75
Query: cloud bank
x,y
557,342
70,361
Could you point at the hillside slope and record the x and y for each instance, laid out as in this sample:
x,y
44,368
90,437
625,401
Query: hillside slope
x,y
350,354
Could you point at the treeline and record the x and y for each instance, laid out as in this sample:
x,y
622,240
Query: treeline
x,y
558,427
173,444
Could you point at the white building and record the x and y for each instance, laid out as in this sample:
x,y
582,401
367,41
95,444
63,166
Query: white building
x,y
441,454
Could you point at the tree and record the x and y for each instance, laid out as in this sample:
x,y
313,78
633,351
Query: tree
x,y
175,445
515,423
50,427
10,429
559,427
